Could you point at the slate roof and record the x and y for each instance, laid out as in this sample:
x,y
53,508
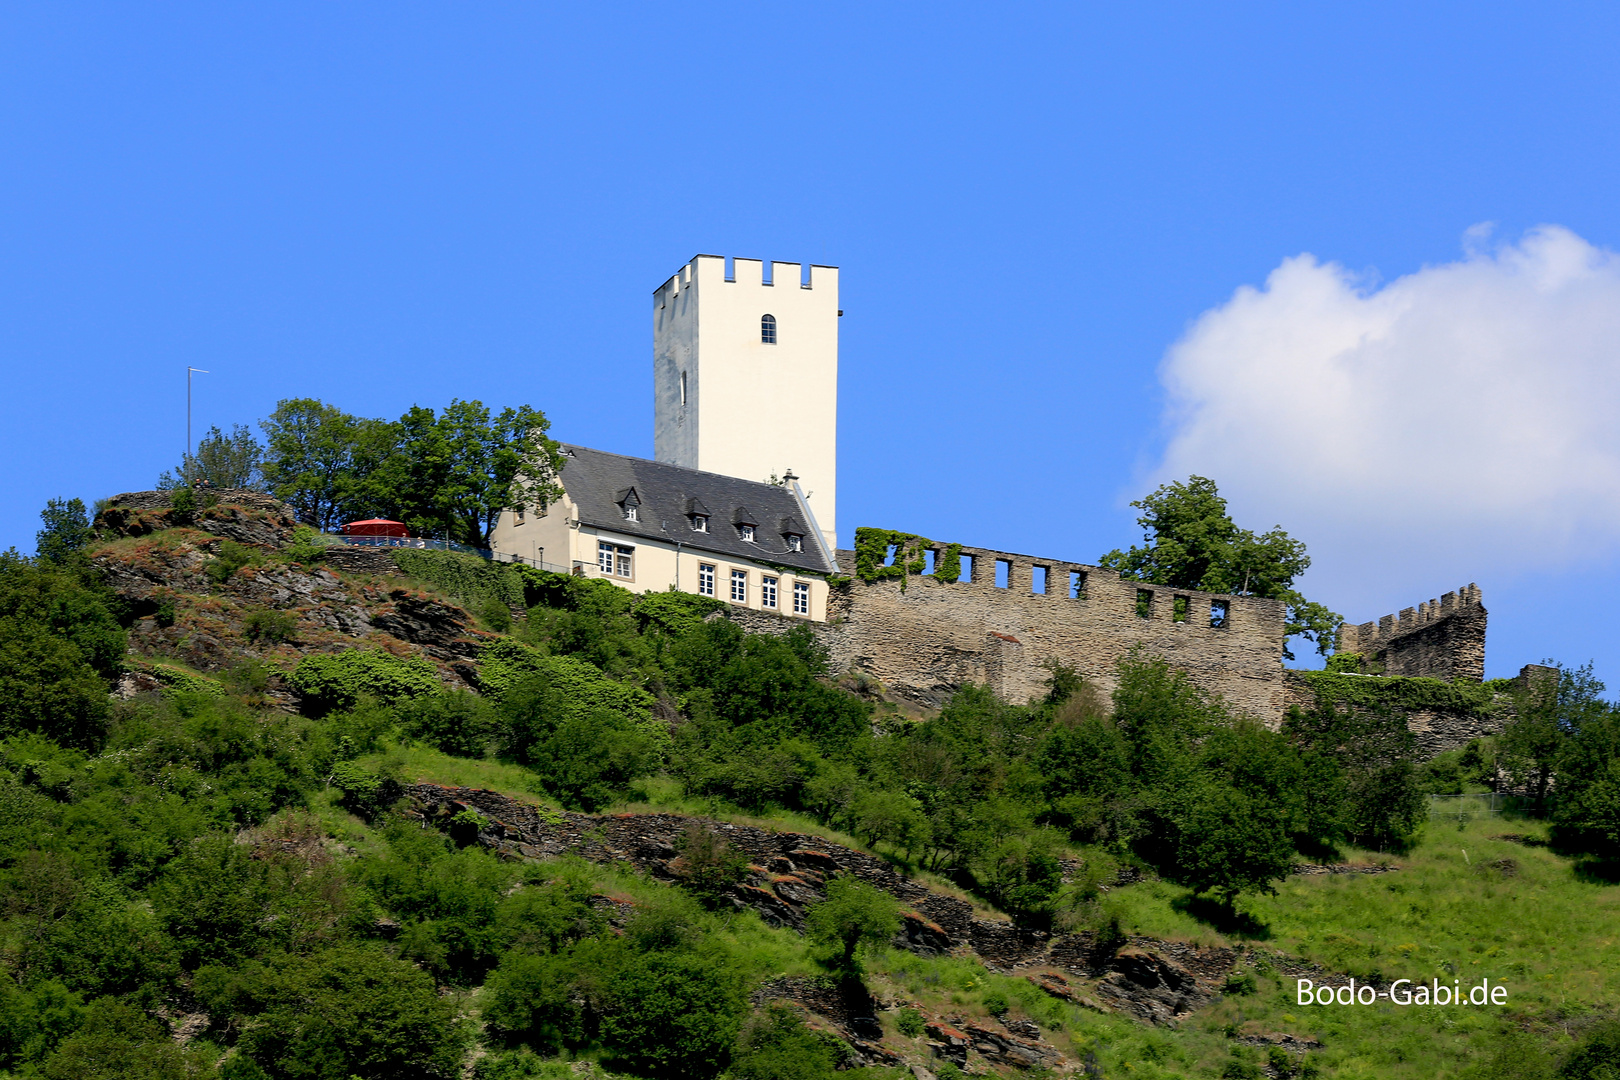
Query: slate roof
x,y
597,482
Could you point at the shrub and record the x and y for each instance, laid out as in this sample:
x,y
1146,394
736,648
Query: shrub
x,y
910,1023
270,626
1239,983
365,793
996,1004
330,681
307,546
453,721
707,865
231,558
855,915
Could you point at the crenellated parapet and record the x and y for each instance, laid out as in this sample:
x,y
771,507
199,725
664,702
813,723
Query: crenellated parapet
x,y
1439,639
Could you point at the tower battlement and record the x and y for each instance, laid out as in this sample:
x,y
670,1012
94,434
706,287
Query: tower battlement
x,y
1441,639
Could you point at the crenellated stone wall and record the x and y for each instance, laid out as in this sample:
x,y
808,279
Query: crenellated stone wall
x,y
1440,639
925,639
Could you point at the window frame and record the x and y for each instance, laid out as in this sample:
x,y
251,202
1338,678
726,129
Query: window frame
x,y
739,586
767,329
615,560
767,591
801,598
746,534
706,573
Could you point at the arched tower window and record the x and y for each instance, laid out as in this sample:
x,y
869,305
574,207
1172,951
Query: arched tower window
x,y
767,329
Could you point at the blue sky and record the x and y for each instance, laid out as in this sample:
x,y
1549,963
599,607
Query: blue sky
x,y
1045,218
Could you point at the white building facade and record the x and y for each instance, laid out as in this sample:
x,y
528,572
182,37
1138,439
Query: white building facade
x,y
745,373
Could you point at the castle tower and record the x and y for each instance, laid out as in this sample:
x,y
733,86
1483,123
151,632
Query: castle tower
x,y
745,375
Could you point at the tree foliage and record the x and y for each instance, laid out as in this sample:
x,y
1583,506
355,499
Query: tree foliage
x,y
233,462
1193,543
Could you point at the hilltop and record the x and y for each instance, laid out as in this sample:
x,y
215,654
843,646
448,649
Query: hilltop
x,y
487,815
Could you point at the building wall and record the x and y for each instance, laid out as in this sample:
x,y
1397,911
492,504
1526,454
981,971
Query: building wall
x,y
926,640
655,566
1441,639
769,408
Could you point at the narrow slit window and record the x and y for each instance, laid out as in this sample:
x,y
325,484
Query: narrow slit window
x,y
683,388
767,329
1220,612
1077,585
1179,607
1144,603
1037,581
1003,573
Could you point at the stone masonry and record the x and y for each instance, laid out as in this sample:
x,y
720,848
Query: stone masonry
x,y
925,640
1442,639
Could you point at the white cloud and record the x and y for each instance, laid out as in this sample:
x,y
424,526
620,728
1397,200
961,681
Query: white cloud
x,y
1454,425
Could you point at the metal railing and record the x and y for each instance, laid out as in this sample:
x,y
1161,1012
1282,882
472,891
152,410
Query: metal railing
x,y
423,543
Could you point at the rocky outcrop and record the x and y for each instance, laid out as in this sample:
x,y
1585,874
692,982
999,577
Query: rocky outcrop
x,y
444,630
248,517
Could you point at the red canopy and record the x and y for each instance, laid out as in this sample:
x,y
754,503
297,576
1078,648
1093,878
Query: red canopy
x,y
376,527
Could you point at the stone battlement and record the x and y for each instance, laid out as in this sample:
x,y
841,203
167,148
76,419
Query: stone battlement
x,y
928,638
1440,639
745,272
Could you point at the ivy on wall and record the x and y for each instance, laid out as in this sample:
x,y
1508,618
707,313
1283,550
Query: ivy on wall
x,y
910,556
1403,693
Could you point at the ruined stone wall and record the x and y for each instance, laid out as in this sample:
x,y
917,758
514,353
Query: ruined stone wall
x,y
1434,730
924,641
1441,639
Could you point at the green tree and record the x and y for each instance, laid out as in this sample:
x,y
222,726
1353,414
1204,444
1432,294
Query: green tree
x,y
1231,844
119,1042
325,463
348,1012
777,1045
59,648
455,472
67,530
855,915
1192,543
1549,704
589,760
676,1013
233,462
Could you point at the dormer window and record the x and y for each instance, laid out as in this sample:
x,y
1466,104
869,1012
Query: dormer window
x,y
745,523
629,504
697,514
700,522
746,532
792,533
795,542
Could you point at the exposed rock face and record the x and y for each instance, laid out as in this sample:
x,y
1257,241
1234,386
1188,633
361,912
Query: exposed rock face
x,y
1156,981
445,630
248,517
1151,987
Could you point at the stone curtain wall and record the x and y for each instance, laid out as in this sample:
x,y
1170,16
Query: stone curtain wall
x,y
1441,639
924,641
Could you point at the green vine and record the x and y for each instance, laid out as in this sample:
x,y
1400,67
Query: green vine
x,y
910,556
1402,693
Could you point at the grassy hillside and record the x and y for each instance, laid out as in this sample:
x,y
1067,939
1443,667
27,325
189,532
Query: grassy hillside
x,y
213,873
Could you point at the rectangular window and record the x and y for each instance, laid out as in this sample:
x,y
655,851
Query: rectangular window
x,y
1077,585
1219,614
1037,581
517,517
705,579
613,558
1178,610
767,592
1144,603
1003,573
801,598
967,568
928,561
739,586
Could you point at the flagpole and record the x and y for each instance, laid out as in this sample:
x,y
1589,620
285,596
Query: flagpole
x,y
188,465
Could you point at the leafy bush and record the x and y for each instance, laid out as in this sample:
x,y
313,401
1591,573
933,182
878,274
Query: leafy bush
x,y
453,721
910,1022
307,546
479,583
270,626
854,916
230,558
995,1003
328,681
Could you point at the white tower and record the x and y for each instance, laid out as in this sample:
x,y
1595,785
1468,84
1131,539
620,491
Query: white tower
x,y
745,375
